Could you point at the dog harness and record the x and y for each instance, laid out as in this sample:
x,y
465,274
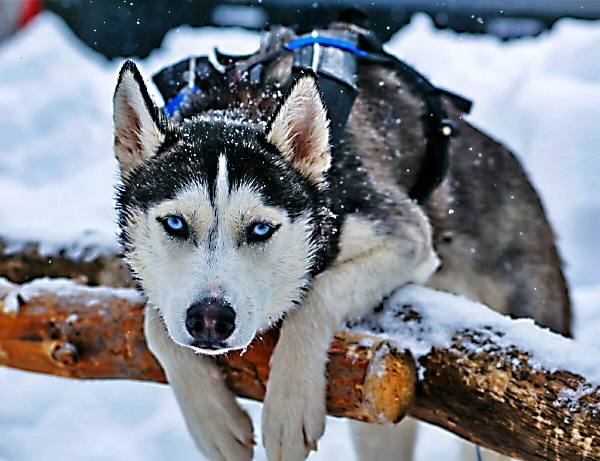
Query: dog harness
x,y
334,56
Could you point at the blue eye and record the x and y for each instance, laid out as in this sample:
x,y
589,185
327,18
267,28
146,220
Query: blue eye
x,y
259,232
175,226
261,229
175,223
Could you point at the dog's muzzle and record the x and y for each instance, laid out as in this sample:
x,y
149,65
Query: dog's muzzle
x,y
210,322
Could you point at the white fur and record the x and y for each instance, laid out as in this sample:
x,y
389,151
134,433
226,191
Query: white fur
x,y
260,284
300,130
219,427
374,442
222,181
294,408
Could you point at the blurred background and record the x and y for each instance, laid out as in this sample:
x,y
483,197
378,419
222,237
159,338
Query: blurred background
x,y
134,28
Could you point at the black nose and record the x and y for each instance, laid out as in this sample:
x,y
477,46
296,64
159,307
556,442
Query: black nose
x,y
210,322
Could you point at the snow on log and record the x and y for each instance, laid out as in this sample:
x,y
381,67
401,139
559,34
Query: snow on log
x,y
61,328
505,384
22,262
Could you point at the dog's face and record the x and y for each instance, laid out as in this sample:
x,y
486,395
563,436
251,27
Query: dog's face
x,y
217,216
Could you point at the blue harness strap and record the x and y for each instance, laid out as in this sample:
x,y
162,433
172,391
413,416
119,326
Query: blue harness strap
x,y
310,40
174,104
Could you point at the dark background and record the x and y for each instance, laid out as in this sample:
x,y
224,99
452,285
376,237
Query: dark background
x,y
135,27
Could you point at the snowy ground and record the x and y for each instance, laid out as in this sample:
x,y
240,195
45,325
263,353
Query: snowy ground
x,y
539,96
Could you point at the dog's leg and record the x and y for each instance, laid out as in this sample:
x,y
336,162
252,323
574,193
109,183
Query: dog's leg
x,y
294,409
374,442
220,428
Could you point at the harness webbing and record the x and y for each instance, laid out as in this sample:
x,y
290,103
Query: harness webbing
x,y
310,40
334,61
438,129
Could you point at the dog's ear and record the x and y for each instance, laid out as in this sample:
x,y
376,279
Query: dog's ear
x,y
140,127
300,128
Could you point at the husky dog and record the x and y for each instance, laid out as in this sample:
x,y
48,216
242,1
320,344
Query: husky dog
x,y
242,214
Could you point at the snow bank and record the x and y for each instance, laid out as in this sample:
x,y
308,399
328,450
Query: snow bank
x,y
540,96
57,168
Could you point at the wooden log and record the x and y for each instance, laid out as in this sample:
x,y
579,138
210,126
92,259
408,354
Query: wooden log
x,y
64,329
509,407
504,384
492,380
75,331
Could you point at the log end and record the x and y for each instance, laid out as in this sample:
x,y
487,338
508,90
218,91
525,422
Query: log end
x,y
390,384
370,379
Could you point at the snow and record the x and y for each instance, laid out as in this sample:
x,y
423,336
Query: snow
x,y
540,96
450,314
11,293
571,399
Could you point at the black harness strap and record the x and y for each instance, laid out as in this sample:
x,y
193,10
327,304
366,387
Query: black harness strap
x,y
336,64
437,127
336,68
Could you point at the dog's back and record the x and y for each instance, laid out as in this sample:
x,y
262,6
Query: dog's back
x,y
490,229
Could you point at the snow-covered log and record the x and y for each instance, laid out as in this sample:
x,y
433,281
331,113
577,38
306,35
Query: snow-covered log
x,y
61,328
504,384
22,261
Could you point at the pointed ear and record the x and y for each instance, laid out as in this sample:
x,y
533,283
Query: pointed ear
x,y
140,127
300,128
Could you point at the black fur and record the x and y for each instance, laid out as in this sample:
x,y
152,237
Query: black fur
x,y
191,156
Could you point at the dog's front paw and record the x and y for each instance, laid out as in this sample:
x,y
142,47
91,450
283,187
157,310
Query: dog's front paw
x,y
221,430
293,415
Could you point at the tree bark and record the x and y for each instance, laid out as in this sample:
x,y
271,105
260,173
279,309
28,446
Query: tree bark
x,y
498,395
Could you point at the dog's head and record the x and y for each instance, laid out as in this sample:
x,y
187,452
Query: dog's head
x,y
220,217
